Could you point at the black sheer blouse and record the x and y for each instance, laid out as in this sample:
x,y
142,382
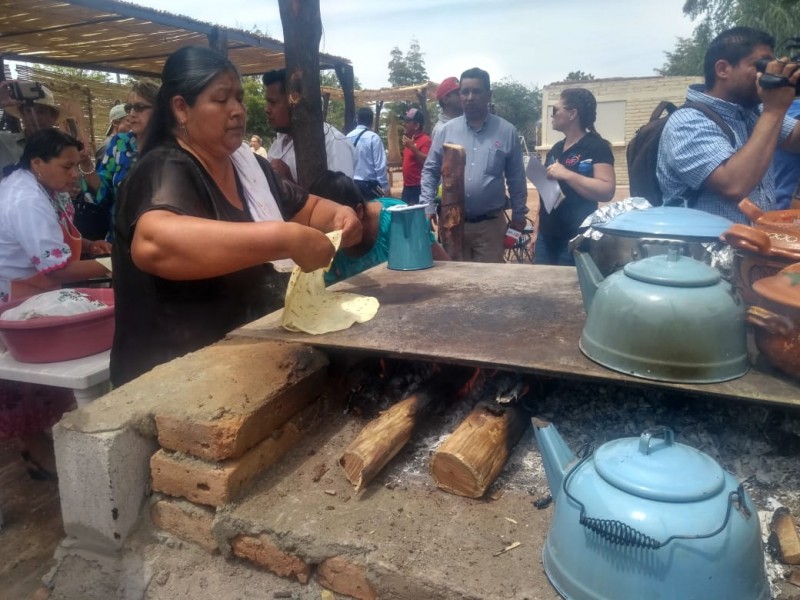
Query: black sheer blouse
x,y
159,319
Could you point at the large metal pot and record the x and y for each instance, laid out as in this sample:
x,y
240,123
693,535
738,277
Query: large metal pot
x,y
650,518
638,234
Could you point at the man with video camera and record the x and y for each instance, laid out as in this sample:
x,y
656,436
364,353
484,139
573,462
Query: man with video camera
x,y
697,165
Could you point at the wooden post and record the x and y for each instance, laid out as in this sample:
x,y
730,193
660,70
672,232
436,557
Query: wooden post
x,y
326,101
422,98
218,40
302,31
469,461
451,221
344,73
378,108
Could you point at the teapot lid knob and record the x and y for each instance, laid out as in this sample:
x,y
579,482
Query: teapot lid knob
x,y
648,434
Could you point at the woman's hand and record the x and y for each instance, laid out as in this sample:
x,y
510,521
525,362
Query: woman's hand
x,y
346,219
98,248
312,249
557,171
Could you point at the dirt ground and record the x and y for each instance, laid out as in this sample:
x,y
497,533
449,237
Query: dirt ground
x,y
31,530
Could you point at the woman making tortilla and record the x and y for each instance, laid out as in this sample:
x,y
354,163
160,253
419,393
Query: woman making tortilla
x,y
198,218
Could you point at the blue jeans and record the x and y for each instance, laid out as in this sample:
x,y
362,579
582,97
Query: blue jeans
x,y
553,251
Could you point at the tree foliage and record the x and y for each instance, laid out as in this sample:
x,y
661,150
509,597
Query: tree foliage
x,y
408,69
579,76
780,18
520,105
254,103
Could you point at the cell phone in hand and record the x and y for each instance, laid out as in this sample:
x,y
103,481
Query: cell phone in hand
x,y
25,91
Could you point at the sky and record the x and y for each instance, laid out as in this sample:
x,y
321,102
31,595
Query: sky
x,y
534,42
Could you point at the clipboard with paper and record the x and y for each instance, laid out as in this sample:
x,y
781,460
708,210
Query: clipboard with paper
x,y
549,190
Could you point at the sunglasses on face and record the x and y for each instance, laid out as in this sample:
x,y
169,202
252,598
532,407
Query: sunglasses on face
x,y
137,107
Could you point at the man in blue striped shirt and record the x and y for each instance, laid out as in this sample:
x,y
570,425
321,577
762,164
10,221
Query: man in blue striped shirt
x,y
697,166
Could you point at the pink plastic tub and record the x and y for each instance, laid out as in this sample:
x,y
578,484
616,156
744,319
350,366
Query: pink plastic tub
x,y
53,339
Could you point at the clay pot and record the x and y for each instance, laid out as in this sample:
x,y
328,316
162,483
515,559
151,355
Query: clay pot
x,y
773,220
759,254
777,319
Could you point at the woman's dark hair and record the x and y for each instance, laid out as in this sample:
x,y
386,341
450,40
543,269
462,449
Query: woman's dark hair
x,y
47,144
186,73
338,187
584,102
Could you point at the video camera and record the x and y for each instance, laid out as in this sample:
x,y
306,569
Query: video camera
x,y
769,81
25,91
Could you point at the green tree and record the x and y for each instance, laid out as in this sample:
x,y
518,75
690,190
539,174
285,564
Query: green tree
x,y
780,18
254,103
408,69
520,105
579,76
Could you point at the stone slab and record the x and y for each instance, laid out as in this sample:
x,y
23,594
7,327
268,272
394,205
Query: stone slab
x,y
525,318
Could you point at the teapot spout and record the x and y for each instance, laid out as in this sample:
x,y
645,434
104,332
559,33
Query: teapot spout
x,y
556,455
589,277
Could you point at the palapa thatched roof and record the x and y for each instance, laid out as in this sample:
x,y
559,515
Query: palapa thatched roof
x,y
119,37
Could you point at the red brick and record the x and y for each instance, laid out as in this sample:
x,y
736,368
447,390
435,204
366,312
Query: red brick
x,y
185,520
239,392
344,577
217,483
261,551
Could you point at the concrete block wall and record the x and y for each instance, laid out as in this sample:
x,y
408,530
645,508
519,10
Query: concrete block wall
x,y
640,94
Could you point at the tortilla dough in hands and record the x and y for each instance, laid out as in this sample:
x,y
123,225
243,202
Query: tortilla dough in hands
x,y
311,308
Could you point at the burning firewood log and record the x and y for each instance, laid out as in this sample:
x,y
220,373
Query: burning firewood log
x,y
469,461
383,437
451,222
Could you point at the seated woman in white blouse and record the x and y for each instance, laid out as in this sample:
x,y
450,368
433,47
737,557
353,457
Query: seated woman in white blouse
x,y
40,248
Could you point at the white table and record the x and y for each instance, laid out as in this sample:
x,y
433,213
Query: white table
x,y
87,377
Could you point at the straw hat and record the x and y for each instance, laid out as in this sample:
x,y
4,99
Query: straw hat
x,y
48,100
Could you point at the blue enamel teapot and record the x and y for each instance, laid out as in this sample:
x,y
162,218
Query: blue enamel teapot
x,y
648,518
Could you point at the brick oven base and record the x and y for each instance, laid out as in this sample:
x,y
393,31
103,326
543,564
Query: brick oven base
x,y
401,538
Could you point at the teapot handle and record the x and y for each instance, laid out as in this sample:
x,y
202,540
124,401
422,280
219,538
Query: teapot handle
x,y
644,441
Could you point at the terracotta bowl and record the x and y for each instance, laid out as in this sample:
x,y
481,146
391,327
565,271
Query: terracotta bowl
x,y
777,319
773,220
759,254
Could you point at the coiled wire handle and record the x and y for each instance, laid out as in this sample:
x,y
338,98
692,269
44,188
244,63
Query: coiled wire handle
x,y
617,532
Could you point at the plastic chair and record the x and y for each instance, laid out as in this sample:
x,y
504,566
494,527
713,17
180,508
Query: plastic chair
x,y
522,250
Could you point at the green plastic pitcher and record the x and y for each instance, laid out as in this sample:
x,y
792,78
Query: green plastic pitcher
x,y
409,239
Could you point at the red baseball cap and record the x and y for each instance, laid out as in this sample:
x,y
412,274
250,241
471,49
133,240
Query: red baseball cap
x,y
448,85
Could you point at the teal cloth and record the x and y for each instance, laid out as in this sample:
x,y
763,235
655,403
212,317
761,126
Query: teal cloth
x,y
345,266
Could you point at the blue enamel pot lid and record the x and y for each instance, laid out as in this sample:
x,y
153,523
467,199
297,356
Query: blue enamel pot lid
x,y
671,222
